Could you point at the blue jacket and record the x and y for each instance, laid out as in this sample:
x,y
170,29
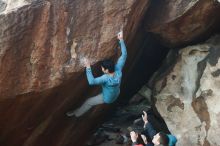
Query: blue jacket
x,y
149,130
110,85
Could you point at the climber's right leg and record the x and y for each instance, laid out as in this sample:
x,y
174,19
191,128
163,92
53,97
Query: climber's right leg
x,y
88,104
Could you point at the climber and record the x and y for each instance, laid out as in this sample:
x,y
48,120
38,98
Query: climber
x,y
110,81
160,138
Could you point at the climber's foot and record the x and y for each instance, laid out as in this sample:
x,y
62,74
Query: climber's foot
x,y
70,114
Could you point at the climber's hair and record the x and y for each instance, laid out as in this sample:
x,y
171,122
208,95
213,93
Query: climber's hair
x,y
164,140
108,64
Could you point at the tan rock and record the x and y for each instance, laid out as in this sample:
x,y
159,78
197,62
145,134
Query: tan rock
x,y
187,95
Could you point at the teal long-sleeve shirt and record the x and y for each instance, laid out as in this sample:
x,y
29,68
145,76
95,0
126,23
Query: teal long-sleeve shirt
x,y
110,84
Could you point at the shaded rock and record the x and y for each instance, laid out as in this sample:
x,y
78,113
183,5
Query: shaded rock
x,y
136,99
128,118
188,102
121,139
143,94
110,127
177,23
98,138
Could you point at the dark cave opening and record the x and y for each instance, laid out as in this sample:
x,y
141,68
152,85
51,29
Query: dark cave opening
x,y
149,60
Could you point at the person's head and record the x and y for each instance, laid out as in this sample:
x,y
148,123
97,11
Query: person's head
x,y
108,66
161,139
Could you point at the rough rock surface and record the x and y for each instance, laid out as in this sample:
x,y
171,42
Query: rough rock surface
x,y
42,45
2,6
187,93
48,39
179,22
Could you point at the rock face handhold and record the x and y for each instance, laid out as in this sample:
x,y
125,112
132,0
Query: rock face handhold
x,y
188,94
42,45
178,23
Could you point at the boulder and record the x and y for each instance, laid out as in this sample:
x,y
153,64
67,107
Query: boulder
x,y
43,44
187,93
177,23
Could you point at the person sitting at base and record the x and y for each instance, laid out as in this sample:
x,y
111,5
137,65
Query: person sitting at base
x,y
158,139
110,81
